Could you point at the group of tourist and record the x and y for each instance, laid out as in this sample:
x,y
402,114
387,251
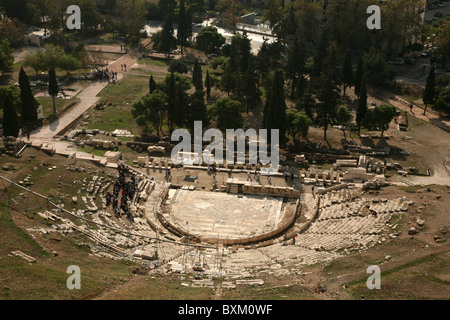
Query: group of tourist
x,y
105,74
123,192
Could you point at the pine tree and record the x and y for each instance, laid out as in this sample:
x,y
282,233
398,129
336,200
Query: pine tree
x,y
362,104
53,87
208,84
429,93
29,104
151,84
182,33
359,75
10,120
347,72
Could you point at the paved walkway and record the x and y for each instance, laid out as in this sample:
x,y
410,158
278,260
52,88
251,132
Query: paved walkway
x,y
430,116
88,97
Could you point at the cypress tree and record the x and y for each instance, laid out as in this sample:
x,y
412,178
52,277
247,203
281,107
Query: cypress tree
x,y
359,75
167,38
347,72
199,79
295,63
195,73
208,84
329,89
53,87
275,108
428,94
10,120
29,104
189,23
321,52
362,104
151,84
182,33
171,101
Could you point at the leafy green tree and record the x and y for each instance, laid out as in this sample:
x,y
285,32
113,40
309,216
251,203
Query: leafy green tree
x,y
6,57
429,93
68,63
167,7
297,123
132,19
178,66
231,11
379,118
91,16
14,95
442,106
151,109
347,71
227,114
209,39
10,120
343,118
53,87
376,68
18,9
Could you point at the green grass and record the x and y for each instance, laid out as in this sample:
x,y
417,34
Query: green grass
x,y
123,94
61,104
150,61
407,275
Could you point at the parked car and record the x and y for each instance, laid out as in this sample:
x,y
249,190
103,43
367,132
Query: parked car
x,y
410,62
397,62
442,4
438,14
425,54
